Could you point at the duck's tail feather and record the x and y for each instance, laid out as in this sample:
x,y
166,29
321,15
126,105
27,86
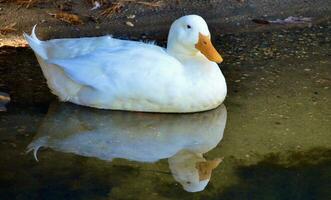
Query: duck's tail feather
x,y
36,44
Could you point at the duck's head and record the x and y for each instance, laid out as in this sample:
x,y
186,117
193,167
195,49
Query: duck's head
x,y
190,35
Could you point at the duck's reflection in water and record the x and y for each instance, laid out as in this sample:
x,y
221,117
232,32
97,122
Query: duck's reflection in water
x,y
143,137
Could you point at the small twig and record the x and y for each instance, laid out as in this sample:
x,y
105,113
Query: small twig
x,y
156,4
260,21
8,29
146,3
115,8
27,3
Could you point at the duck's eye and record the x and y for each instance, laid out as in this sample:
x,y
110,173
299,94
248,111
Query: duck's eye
x,y
188,26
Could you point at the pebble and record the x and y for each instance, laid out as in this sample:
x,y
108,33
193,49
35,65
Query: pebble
x,y
131,16
129,24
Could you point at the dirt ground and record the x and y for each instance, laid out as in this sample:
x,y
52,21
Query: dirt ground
x,y
145,19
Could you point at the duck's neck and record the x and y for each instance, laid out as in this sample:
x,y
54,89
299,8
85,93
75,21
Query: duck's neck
x,y
192,60
180,51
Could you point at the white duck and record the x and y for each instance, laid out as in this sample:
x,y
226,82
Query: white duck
x,y
108,73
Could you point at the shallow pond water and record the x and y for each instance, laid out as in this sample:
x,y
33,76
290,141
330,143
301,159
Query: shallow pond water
x,y
276,143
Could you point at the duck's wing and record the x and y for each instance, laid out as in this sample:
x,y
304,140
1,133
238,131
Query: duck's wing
x,y
117,66
72,47
69,48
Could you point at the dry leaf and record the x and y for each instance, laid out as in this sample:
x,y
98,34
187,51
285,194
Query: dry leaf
x,y
67,17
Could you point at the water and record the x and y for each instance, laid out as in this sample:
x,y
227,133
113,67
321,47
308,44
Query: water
x,y
276,142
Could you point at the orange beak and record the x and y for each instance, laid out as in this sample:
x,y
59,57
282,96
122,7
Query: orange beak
x,y
205,46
